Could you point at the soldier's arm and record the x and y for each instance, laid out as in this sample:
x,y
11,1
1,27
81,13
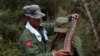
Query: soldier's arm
x,y
49,28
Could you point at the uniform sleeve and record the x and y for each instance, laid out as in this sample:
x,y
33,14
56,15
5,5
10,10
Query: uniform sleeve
x,y
69,17
78,46
31,48
49,28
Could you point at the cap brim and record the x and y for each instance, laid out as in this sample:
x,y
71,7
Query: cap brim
x,y
40,14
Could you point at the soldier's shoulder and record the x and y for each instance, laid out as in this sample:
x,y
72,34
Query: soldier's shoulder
x,y
26,33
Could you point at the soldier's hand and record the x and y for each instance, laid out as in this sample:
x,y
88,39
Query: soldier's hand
x,y
61,52
75,15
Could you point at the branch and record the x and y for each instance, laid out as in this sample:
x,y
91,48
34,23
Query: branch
x,y
91,21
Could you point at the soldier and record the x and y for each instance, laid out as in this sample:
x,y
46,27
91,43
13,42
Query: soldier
x,y
34,38
57,32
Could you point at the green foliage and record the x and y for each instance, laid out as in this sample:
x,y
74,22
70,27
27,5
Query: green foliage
x,y
9,22
9,49
8,17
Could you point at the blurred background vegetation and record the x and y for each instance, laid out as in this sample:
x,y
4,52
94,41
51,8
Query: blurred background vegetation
x,y
12,24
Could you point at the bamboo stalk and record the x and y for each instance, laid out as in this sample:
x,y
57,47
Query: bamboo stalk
x,y
68,38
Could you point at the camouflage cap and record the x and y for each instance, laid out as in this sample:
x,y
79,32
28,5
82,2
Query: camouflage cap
x,y
61,24
33,11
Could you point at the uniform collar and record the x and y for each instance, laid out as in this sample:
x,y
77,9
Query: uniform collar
x,y
34,31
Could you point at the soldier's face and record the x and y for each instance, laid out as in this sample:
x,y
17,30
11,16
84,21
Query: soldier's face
x,y
62,35
35,22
